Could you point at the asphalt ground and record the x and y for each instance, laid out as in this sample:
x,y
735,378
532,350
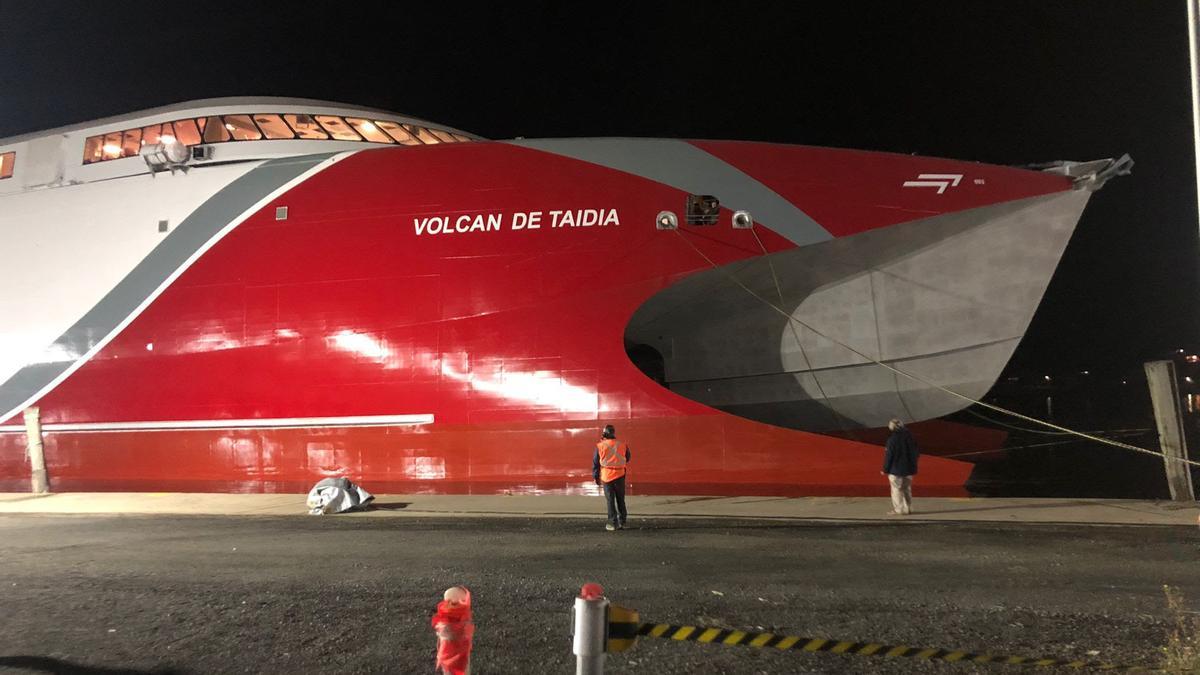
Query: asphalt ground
x,y
197,594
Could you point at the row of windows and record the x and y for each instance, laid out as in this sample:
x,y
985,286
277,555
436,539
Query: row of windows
x,y
269,126
7,160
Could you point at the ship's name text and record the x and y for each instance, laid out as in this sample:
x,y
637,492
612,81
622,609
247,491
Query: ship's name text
x,y
521,220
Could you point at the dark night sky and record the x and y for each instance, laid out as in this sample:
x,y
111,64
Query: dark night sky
x,y
1006,83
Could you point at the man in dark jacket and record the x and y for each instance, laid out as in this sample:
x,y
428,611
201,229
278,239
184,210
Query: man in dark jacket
x,y
900,465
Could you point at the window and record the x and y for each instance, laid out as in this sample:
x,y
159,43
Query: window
x,y
703,209
131,143
306,127
7,161
273,126
443,136
93,149
338,128
112,145
151,135
421,133
186,132
398,132
242,128
368,130
215,130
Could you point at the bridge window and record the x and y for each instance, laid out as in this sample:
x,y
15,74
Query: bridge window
x,y
214,130
338,128
421,133
242,128
151,134
7,161
306,127
274,127
186,132
269,126
93,149
112,145
398,132
131,143
368,130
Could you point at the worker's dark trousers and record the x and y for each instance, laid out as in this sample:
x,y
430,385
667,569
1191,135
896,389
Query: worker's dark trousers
x,y
614,494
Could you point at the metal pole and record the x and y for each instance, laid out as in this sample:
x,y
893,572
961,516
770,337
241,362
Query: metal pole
x,y
589,632
1164,394
38,483
1193,10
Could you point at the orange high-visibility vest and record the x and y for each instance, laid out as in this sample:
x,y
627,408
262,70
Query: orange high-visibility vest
x,y
612,459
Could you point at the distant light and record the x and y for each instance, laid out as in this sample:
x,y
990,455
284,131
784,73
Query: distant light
x,y
1086,372
1179,351
112,149
1046,377
1192,358
1188,379
1124,381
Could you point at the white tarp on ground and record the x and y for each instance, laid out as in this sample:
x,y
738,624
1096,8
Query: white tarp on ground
x,y
337,495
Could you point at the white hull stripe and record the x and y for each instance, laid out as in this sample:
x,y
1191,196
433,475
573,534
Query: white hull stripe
x,y
262,423
214,219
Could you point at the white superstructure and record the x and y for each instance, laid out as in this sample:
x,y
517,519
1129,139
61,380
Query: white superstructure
x,y
84,207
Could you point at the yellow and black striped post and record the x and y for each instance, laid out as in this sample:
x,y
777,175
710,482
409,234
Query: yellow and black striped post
x,y
726,636
623,625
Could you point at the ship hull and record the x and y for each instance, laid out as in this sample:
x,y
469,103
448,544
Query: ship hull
x,y
384,329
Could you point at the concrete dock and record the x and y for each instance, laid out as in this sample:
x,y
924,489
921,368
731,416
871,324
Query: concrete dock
x,y
1049,511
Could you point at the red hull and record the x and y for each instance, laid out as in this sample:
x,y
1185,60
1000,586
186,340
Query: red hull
x,y
512,340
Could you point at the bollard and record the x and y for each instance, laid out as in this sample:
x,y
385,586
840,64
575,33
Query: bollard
x,y
589,630
38,482
455,632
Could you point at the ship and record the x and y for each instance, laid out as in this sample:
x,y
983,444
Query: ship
x,y
252,294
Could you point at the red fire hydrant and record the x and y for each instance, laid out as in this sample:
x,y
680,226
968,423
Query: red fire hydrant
x,y
455,631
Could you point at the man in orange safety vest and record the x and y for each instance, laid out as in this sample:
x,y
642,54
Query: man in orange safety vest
x,y
608,469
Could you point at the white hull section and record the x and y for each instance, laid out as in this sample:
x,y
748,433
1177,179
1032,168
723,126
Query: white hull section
x,y
82,240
